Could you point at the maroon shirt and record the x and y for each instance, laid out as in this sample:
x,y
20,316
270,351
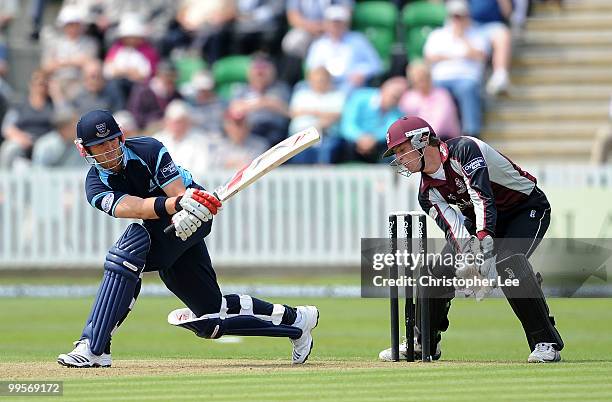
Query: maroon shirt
x,y
480,181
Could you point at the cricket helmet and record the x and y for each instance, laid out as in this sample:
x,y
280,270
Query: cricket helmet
x,y
413,129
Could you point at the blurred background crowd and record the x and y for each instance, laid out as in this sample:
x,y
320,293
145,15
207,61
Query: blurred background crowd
x,y
220,81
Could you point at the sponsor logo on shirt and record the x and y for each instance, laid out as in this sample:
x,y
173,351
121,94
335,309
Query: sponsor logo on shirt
x,y
107,202
168,170
473,165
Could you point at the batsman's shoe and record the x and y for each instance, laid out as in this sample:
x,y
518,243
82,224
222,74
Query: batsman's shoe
x,y
385,355
82,357
308,318
544,352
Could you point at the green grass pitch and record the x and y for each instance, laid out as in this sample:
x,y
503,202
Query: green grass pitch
x,y
484,354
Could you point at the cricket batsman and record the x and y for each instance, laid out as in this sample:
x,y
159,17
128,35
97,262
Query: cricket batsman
x,y
136,179
501,213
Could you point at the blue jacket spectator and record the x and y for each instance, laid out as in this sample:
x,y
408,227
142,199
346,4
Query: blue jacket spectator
x,y
366,117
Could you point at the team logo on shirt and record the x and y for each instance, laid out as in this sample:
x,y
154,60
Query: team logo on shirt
x,y
102,130
460,186
107,202
473,165
168,170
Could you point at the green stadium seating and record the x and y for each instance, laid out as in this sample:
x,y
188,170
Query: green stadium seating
x,y
228,72
187,66
377,14
419,19
377,20
382,40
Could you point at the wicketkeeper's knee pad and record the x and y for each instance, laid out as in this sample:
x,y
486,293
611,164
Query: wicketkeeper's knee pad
x,y
123,267
528,302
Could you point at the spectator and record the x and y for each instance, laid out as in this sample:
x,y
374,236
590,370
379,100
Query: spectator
x,y
366,117
264,100
64,56
320,105
148,101
37,12
27,121
97,93
457,53
188,147
239,146
434,105
306,19
56,148
131,59
258,26
491,18
127,122
347,55
8,10
203,25
207,107
105,16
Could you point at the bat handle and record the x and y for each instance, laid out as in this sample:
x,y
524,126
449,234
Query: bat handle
x,y
168,229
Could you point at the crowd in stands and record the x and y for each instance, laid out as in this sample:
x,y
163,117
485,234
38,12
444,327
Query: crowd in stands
x,y
220,81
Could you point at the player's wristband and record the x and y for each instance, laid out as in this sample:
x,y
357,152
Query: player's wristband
x,y
177,203
160,207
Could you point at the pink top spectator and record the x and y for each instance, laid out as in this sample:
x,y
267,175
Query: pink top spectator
x,y
436,107
145,49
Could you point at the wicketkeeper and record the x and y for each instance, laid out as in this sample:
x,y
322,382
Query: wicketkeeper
x,y
136,178
496,199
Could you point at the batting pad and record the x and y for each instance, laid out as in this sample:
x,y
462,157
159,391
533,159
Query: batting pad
x,y
120,285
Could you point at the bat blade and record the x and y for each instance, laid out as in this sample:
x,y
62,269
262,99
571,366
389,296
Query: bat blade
x,y
267,161
272,158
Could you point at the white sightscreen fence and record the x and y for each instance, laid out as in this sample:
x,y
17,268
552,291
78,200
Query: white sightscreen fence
x,y
292,216
307,216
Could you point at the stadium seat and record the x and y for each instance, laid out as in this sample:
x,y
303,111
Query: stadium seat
x,y
377,14
228,72
377,20
187,66
419,19
382,40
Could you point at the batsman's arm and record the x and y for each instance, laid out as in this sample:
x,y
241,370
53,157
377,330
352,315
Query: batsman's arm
x,y
144,208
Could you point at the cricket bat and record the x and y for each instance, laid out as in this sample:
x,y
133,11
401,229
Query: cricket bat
x,y
272,158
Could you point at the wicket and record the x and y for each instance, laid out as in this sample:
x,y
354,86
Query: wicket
x,y
421,299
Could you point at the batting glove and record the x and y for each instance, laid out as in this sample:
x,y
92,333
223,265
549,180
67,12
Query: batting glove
x,y
185,224
199,203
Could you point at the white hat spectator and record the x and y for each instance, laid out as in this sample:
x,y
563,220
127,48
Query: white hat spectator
x,y
177,109
131,25
337,13
202,81
71,14
457,7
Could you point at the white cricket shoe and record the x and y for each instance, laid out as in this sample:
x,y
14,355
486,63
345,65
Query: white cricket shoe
x,y
385,355
308,318
544,352
498,83
82,357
